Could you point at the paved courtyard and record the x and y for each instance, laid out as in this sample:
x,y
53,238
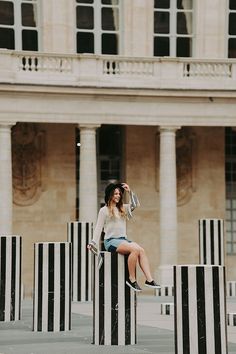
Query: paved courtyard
x,y
155,332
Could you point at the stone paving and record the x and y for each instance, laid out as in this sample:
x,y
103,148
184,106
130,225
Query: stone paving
x,y
155,332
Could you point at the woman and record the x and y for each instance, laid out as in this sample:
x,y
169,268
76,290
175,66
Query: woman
x,y
112,220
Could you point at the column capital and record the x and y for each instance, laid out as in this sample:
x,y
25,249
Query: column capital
x,y
167,128
89,126
7,124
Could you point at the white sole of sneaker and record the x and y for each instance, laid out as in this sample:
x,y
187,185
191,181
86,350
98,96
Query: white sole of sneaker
x,y
136,290
153,287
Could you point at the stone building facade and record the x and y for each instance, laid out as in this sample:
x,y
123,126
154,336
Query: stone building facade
x,y
140,91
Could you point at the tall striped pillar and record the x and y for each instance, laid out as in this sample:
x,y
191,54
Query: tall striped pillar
x,y
200,310
80,234
10,278
114,305
52,287
211,241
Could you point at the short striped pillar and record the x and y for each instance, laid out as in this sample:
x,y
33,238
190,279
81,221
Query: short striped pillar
x,y
165,290
231,319
231,288
52,287
114,305
200,313
10,278
80,234
211,241
167,309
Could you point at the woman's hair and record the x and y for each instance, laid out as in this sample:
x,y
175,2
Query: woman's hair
x,y
119,205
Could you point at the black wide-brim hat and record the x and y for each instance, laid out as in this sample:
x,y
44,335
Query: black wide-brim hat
x,y
110,189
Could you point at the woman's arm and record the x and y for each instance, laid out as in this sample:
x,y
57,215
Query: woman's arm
x,y
99,225
133,200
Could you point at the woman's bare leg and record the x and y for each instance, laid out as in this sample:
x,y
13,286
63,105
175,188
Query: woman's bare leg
x,y
136,253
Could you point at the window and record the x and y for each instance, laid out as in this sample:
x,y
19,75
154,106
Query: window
x,y
98,26
232,29
19,24
173,28
230,177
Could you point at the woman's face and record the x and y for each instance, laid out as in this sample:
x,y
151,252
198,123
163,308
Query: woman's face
x,y
116,196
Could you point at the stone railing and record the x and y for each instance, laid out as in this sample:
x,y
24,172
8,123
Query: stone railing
x,y
116,71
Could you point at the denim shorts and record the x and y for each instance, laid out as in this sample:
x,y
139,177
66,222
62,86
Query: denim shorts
x,y
112,243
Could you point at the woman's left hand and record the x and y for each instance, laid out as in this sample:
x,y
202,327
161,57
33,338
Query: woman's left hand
x,y
126,187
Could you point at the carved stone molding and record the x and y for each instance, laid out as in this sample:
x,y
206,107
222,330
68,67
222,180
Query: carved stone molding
x,y
28,151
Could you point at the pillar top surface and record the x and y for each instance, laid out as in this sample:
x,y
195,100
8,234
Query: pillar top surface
x,y
89,126
171,128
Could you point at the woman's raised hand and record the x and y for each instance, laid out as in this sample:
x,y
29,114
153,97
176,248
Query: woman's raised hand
x,y
126,187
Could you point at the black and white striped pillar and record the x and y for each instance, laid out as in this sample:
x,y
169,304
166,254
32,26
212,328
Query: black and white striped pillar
x,y
200,310
231,288
10,278
167,308
114,306
165,290
231,319
211,241
80,234
52,287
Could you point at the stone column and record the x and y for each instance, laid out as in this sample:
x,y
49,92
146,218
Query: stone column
x,y
88,174
5,179
168,204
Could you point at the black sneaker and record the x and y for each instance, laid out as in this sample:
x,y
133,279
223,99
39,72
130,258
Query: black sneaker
x,y
152,284
134,286
93,247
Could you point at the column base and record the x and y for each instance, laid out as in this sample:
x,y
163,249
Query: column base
x,y
165,275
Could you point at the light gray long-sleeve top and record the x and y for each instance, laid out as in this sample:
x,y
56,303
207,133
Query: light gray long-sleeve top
x,y
114,226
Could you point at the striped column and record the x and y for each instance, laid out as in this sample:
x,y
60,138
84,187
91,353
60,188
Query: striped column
x,y
231,319
167,309
200,313
114,306
211,241
165,290
231,288
10,278
80,234
52,287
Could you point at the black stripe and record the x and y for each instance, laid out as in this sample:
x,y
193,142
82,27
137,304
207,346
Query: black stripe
x,y
175,312
62,287
13,278
34,282
101,301
72,255
234,320
127,307
114,299
212,241
201,317
204,242
219,241
51,286
20,270
86,261
94,298
40,285
79,238
185,310
3,278
216,307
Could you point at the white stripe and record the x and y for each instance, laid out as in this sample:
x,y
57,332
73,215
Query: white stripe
x,y
192,298
222,242
107,298
83,260
90,272
121,299
208,242
36,287
56,317
179,319
216,243
17,280
96,304
132,316
209,310
75,261
67,286
8,277
201,242
45,289
222,310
